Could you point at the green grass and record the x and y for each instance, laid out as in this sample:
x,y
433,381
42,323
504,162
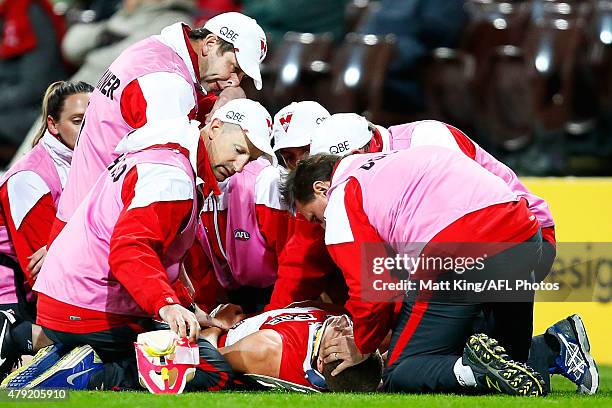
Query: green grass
x,y
563,396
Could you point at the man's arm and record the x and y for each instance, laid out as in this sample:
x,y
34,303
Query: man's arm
x,y
157,199
303,266
157,96
257,353
372,318
271,213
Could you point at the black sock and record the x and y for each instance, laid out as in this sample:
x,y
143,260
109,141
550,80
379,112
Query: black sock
x,y
22,337
541,358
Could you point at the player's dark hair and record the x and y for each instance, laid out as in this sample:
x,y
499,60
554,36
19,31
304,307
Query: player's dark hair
x,y
53,102
201,33
297,185
363,377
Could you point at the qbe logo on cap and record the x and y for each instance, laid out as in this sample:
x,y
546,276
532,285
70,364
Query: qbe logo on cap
x,y
235,116
230,34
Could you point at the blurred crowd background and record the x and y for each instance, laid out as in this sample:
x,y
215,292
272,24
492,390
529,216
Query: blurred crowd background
x,y
531,81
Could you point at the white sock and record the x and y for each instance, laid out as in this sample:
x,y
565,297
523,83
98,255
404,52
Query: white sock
x,y
464,374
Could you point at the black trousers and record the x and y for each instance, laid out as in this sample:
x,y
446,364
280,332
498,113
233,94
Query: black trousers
x,y
116,349
24,311
430,334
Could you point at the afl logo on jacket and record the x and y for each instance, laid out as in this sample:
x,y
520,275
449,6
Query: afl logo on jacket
x,y
241,235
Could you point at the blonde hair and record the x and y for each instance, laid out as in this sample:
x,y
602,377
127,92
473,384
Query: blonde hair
x,y
53,102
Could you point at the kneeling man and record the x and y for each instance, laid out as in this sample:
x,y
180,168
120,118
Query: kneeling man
x,y
111,269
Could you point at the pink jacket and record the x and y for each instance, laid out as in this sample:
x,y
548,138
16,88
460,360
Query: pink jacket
x,y
434,133
76,270
411,195
104,125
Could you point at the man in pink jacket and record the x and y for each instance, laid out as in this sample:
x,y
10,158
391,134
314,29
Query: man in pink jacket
x,y
111,269
425,204
163,76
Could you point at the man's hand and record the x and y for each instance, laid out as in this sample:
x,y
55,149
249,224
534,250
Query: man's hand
x,y
342,348
229,314
36,262
207,320
340,345
179,320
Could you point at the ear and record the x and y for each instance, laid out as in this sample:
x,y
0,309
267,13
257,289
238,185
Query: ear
x,y
215,128
51,126
320,187
208,43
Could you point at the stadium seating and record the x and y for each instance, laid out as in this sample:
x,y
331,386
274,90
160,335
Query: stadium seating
x,y
299,64
448,84
357,71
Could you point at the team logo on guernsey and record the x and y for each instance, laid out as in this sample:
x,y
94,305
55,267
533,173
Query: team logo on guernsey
x,y
263,49
269,123
295,317
241,235
285,120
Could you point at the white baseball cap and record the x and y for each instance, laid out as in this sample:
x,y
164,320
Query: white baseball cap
x,y
294,124
340,134
254,120
248,38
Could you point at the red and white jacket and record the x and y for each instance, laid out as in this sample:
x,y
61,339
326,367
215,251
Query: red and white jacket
x,y
156,202
155,79
305,265
28,201
244,230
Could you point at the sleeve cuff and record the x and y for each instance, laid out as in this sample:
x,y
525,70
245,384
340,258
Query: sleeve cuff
x,y
165,301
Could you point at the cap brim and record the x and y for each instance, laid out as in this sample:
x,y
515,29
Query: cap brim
x,y
264,147
291,143
251,70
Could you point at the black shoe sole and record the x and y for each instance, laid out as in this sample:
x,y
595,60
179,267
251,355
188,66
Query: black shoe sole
x,y
496,372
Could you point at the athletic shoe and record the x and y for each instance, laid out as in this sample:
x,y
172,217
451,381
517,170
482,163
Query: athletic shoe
x,y
574,360
42,361
495,372
71,371
268,382
9,355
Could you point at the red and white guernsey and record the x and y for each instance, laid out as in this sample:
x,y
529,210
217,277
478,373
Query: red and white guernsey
x,y
297,327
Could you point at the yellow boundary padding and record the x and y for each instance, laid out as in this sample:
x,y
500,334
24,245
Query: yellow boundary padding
x,y
582,209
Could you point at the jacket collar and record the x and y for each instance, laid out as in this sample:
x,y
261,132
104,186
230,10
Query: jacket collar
x,y
174,36
59,152
179,131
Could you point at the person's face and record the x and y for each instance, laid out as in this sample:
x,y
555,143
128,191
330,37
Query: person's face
x,y
314,210
291,155
229,149
69,123
218,71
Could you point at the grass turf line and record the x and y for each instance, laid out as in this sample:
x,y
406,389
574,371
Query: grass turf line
x,y
563,395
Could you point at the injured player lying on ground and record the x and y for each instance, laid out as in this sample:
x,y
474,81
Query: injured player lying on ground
x,y
287,344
